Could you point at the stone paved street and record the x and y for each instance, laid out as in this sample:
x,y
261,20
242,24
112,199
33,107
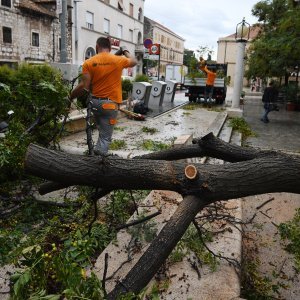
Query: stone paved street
x,y
262,242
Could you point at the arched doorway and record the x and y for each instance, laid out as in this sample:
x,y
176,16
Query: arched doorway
x,y
89,52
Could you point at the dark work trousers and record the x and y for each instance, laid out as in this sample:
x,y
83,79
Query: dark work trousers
x,y
105,112
208,93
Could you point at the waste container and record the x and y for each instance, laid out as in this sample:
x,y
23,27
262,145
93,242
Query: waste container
x,y
157,93
170,91
141,91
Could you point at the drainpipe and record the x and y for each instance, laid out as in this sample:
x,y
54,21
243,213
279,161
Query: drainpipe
x,y
63,21
76,29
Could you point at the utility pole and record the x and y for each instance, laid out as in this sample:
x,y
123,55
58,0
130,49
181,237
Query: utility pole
x,y
63,22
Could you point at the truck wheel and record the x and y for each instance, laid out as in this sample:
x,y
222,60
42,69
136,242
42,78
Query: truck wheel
x,y
192,98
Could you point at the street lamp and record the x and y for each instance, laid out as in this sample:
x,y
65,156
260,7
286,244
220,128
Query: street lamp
x,y
242,34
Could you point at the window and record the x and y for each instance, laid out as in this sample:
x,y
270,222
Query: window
x,y
7,35
90,51
140,15
35,40
130,9
106,25
59,44
89,20
6,3
120,31
131,35
120,5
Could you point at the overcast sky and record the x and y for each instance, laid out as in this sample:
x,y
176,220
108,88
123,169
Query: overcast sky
x,y
200,22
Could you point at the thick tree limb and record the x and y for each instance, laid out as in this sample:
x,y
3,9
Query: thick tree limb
x,y
211,146
271,173
208,145
143,271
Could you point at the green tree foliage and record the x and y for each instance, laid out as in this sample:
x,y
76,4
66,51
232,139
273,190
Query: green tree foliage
x,y
276,49
205,52
37,95
190,60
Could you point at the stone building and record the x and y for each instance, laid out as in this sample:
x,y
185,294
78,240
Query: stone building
x,y
29,32
121,20
171,44
227,51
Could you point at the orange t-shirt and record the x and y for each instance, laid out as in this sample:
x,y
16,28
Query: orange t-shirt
x,y
105,70
211,76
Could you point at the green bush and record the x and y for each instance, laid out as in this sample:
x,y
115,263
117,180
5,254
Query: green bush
x,y
126,88
141,78
35,94
290,233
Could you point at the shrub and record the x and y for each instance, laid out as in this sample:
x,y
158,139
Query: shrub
x,y
37,95
141,78
126,88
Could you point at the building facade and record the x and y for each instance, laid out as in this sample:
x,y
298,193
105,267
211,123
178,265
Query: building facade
x,y
171,45
227,51
120,20
29,32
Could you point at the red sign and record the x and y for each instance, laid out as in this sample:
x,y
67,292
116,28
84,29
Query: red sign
x,y
154,49
114,42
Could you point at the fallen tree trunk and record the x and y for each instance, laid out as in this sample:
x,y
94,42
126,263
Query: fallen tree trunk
x,y
255,172
208,145
276,172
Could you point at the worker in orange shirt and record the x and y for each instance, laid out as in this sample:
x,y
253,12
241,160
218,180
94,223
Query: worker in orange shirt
x,y
210,81
101,75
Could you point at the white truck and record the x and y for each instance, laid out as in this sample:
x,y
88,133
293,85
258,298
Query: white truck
x,y
176,72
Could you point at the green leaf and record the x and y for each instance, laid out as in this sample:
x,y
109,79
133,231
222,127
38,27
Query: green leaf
x,y
21,282
5,87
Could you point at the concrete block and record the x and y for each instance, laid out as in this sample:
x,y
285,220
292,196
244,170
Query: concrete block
x,y
183,140
234,112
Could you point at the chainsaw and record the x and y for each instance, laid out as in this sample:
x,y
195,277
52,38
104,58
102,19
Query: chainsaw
x,y
132,115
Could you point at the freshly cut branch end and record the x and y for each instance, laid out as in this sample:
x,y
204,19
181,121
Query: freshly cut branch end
x,y
190,172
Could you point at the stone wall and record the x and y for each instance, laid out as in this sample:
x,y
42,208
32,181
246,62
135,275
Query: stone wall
x,y
23,23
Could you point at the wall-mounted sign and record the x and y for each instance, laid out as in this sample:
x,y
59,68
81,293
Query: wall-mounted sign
x,y
114,42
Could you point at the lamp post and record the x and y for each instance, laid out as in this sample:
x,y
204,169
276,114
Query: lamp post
x,y
241,36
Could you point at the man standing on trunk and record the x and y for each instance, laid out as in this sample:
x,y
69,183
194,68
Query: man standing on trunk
x,y
101,75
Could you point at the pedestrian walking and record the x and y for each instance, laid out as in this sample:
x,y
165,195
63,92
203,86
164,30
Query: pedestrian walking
x,y
269,98
101,75
253,83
